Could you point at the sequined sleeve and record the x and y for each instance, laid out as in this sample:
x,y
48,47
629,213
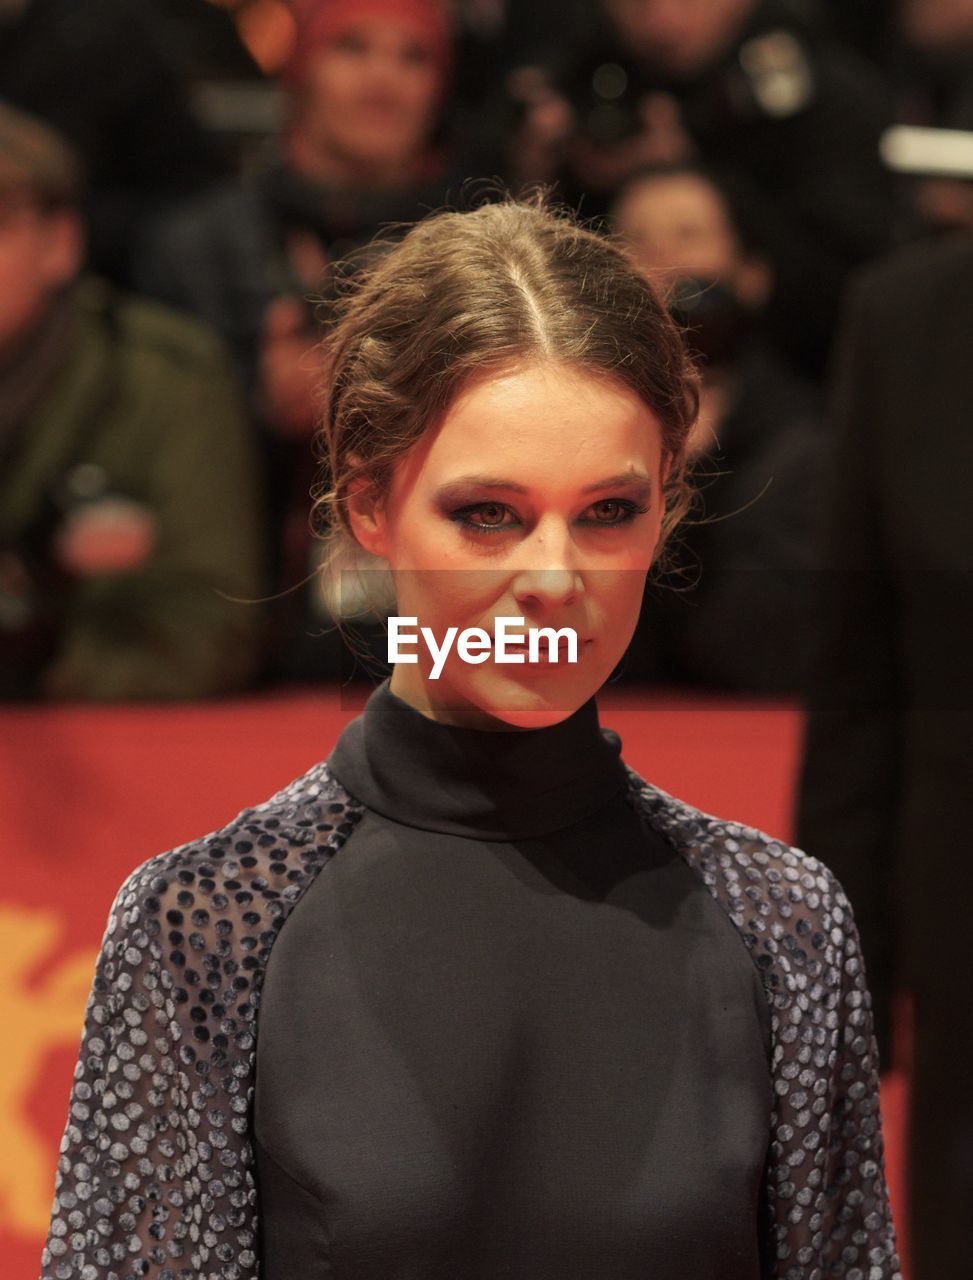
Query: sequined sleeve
x,y
155,1175
129,1146
831,1213
827,1208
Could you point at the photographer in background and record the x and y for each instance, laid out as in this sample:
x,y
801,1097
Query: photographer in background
x,y
887,764
753,86
128,512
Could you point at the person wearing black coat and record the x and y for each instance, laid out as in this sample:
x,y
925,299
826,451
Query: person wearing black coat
x,y
889,769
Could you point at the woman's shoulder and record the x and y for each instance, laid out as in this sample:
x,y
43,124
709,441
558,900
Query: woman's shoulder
x,y
788,906
263,858
707,835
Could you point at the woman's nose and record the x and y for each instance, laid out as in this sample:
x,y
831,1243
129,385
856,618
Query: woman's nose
x,y
548,573
547,587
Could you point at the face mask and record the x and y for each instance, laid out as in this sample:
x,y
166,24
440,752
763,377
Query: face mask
x,y
716,323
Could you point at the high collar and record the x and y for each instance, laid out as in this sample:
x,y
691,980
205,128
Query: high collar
x,y
481,783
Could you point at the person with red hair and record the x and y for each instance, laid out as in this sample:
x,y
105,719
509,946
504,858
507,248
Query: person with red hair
x,y
367,78
364,145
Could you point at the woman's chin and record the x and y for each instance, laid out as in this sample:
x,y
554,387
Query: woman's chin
x,y
526,700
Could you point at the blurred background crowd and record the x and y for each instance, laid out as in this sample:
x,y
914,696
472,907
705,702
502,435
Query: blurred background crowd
x,y
182,184
185,184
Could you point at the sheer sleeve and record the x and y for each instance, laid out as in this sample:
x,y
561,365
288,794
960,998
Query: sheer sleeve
x,y
155,1173
827,1191
826,1207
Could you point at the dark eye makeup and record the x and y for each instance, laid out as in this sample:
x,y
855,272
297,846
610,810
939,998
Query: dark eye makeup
x,y
626,510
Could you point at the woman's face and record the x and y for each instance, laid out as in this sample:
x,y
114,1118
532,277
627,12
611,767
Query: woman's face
x,y
539,497
372,93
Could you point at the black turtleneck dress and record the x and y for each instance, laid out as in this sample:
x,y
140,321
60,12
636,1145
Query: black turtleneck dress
x,y
507,1031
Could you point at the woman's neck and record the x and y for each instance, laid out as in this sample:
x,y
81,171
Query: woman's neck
x,y
408,683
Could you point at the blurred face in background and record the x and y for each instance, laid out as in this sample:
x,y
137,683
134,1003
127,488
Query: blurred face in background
x,y
680,37
370,94
678,226
40,253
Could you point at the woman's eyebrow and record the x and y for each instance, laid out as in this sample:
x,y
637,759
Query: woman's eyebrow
x,y
625,479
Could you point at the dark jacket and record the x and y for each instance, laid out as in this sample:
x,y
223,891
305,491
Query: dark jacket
x,y
889,758
892,703
223,256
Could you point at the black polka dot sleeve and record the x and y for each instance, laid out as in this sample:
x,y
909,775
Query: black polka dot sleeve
x,y
155,1176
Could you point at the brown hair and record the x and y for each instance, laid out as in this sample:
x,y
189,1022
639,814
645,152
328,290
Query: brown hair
x,y
465,293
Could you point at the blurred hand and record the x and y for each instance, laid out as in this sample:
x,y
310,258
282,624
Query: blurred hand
x,y
109,535
547,124
662,138
290,368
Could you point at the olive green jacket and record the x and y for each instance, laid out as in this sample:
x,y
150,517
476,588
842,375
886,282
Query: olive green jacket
x,y
146,400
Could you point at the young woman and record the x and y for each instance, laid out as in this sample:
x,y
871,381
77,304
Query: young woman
x,y
471,998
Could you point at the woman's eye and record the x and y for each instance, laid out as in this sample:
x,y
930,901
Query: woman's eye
x,y
612,511
496,517
486,518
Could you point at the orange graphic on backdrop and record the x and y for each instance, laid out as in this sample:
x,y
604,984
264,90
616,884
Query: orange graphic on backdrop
x,y
36,1017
